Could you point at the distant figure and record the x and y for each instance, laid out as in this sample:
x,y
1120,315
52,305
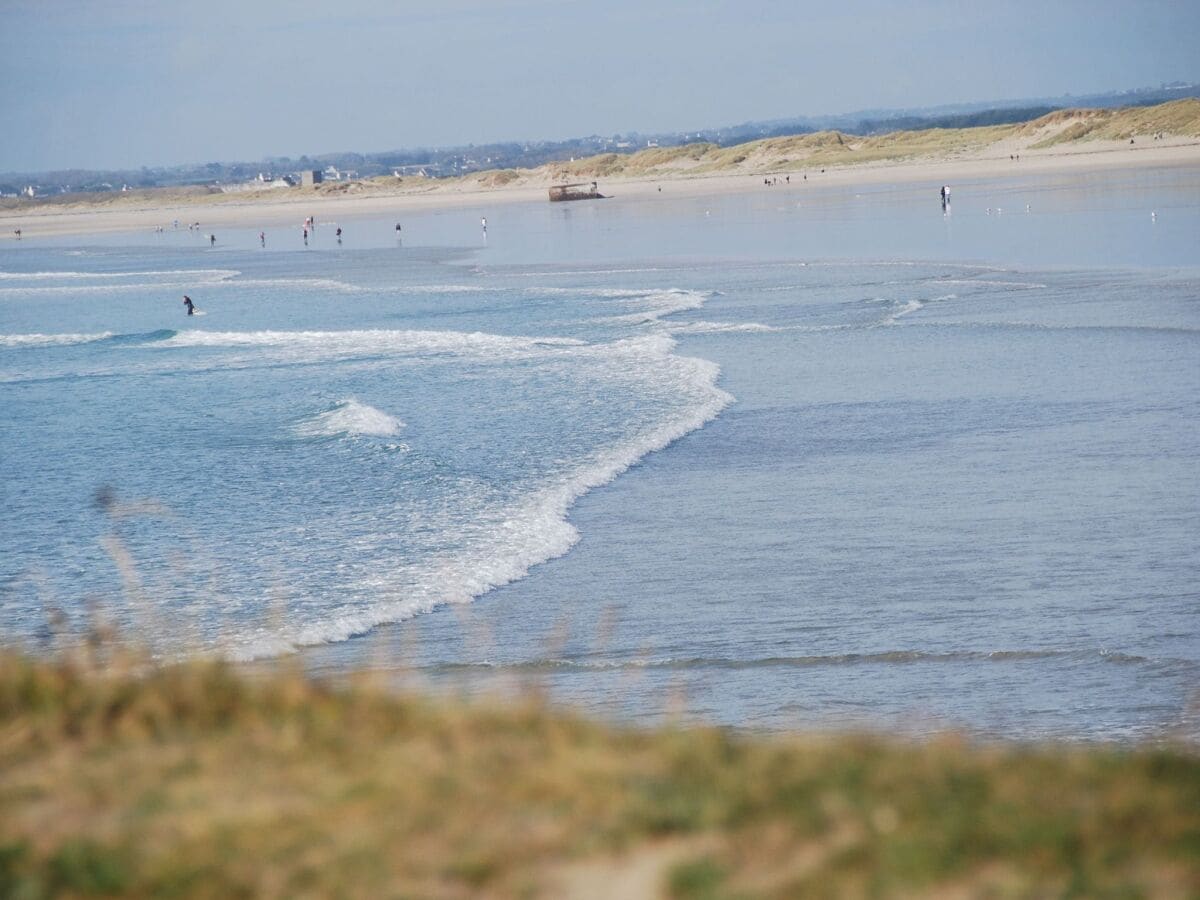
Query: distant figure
x,y
483,222
943,193
17,232
397,228
212,240
787,179
262,238
191,307
339,234
175,225
306,236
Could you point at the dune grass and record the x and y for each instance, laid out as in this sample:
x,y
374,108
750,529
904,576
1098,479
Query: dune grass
x,y
1062,128
198,780
1178,118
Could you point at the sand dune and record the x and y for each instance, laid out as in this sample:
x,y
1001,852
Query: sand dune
x,y
1076,139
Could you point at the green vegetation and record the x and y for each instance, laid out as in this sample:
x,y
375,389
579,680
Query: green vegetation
x,y
198,780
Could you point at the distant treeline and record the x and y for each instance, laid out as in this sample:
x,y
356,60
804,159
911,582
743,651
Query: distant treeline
x,y
869,127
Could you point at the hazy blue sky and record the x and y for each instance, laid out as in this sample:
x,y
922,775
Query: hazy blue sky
x,y
114,83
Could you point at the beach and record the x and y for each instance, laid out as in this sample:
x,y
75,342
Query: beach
x,y
290,206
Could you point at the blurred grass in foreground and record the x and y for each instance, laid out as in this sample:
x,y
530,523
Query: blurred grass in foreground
x,y
197,780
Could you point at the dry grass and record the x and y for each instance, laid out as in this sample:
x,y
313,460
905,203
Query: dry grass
x,y
1179,118
196,780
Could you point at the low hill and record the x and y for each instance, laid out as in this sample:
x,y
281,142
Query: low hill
x,y
198,781
1179,118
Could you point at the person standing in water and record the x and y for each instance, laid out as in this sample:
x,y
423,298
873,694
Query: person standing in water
x,y
191,307
212,240
339,234
262,238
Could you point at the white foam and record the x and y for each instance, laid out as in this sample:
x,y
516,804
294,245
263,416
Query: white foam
x,y
321,284
500,546
350,417
116,282
51,340
902,308
441,289
992,282
658,305
721,328
326,344
205,274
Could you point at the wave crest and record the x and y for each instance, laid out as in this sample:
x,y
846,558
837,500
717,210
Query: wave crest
x,y
350,417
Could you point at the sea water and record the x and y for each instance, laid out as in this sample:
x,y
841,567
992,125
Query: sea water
x,y
791,458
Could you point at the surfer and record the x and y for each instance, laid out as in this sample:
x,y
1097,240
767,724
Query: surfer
x,y
191,307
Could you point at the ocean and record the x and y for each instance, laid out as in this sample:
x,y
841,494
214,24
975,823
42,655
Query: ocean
x,y
801,457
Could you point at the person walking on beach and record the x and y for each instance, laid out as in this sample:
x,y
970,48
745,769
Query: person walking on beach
x,y
212,240
17,232
339,234
262,238
191,307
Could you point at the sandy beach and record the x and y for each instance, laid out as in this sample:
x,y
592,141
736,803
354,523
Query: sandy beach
x,y
289,206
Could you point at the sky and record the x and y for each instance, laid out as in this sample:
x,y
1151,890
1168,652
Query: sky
x,y
120,84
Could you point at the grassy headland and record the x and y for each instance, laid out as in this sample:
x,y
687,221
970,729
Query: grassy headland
x,y
196,780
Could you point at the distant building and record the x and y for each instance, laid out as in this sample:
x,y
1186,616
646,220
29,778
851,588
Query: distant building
x,y
310,177
424,170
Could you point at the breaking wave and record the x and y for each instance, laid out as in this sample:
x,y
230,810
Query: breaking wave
x,y
350,417
51,340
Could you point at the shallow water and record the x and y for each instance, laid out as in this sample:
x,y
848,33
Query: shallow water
x,y
890,468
